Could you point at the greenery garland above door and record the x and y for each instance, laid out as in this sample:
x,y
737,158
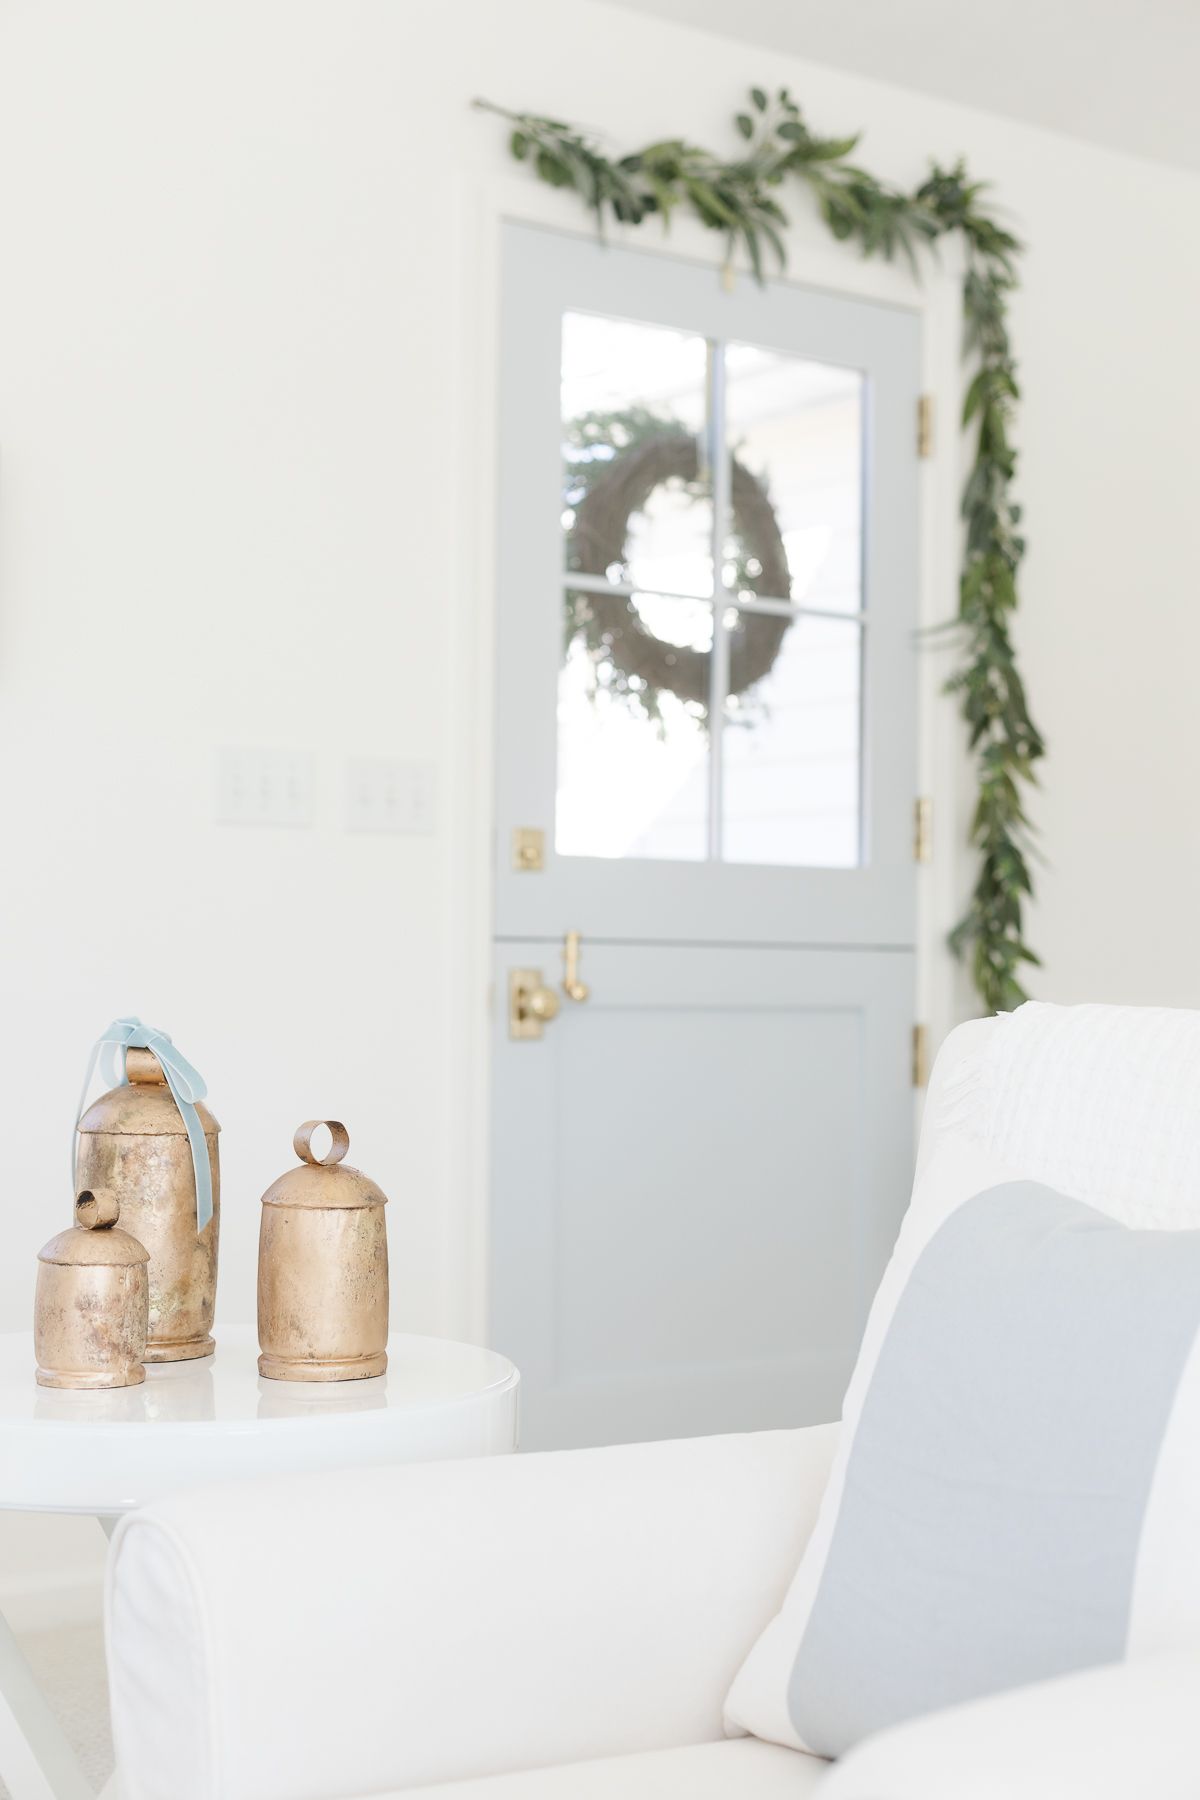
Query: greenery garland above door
x,y
738,197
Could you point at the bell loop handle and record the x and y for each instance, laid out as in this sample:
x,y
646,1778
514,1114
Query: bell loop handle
x,y
339,1142
98,1211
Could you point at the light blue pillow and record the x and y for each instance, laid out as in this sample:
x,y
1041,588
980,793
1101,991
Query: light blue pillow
x,y
987,1525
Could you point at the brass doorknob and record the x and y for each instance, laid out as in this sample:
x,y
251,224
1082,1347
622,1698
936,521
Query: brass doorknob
x,y
531,1004
541,1003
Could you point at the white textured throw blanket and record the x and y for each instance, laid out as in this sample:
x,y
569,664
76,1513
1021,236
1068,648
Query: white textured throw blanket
x,y
1100,1102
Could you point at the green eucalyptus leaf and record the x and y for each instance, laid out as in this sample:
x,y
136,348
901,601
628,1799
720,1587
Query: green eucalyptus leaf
x,y
754,250
834,149
709,204
553,169
773,238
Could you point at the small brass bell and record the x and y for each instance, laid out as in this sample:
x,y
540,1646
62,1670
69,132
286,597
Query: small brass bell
x,y
322,1268
92,1301
134,1141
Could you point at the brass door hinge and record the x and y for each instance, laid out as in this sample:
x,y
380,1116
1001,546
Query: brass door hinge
x,y
925,425
922,828
920,1055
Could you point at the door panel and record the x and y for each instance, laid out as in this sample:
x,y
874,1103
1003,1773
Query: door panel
x,y
696,1186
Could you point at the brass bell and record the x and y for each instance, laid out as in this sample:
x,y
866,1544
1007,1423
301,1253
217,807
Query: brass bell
x,y
133,1141
322,1268
92,1301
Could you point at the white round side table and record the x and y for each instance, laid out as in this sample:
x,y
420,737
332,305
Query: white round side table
x,y
214,1419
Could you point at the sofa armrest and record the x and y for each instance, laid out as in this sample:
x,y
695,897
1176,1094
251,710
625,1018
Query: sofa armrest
x,y
372,1629
1124,1731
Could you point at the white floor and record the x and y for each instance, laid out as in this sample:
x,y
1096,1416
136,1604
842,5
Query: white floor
x,y
68,1664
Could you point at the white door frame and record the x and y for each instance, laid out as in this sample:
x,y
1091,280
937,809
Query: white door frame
x,y
943,994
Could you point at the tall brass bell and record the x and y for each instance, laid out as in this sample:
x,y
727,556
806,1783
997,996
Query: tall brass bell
x,y
133,1141
91,1306
322,1268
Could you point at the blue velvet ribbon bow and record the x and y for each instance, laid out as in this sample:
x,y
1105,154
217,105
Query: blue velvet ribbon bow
x,y
186,1085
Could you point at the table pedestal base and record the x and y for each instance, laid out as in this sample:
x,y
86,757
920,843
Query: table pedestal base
x,y
36,1759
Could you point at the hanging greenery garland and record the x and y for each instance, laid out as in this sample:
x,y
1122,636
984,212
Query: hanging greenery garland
x,y
738,197
615,462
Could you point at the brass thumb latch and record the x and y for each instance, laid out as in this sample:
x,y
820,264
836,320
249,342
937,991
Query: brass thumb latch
x,y
573,988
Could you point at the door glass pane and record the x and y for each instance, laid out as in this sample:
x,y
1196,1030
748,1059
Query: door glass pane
x,y
636,490
633,728
792,781
796,433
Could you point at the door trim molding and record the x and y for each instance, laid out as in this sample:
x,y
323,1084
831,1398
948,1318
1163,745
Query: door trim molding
x,y
484,205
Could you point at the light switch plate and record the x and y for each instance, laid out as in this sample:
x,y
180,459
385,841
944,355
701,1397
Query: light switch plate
x,y
264,787
391,795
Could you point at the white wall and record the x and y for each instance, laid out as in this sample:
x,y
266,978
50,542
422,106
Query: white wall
x,y
239,351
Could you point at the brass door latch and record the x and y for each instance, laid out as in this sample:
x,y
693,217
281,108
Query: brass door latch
x,y
532,1005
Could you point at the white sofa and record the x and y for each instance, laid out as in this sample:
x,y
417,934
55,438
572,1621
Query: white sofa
x,y
557,1627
